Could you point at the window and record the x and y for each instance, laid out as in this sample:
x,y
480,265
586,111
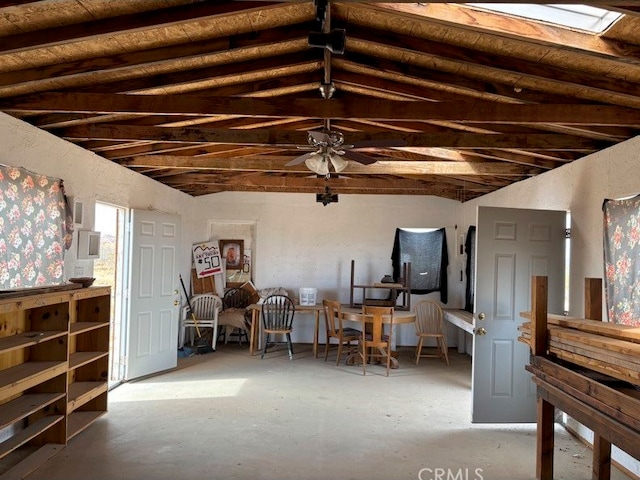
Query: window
x,y
579,17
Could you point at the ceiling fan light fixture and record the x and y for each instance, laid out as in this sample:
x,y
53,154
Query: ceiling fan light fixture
x,y
317,163
339,163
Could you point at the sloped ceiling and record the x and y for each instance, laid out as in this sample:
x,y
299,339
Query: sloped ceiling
x,y
209,96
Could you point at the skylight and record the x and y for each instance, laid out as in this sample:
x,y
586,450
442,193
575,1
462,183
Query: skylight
x,y
580,17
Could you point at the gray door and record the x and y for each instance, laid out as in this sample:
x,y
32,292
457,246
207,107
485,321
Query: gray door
x,y
512,245
154,296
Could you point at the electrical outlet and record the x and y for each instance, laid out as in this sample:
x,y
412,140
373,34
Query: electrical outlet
x,y
78,271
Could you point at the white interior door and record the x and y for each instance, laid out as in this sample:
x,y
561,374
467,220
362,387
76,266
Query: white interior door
x,y
512,245
154,296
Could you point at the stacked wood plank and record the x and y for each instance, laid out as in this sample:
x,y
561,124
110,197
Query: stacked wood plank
x,y
609,349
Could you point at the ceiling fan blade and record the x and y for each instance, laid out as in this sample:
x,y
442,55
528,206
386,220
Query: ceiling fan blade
x,y
299,160
319,136
359,157
397,142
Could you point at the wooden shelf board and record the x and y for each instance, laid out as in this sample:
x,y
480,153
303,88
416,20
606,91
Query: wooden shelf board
x,y
29,433
81,327
25,405
82,392
78,421
27,339
78,359
92,292
21,377
28,465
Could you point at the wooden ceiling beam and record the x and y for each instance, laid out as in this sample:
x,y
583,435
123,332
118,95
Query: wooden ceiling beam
x,y
393,167
314,184
204,78
285,138
192,54
268,87
125,23
608,134
470,112
509,72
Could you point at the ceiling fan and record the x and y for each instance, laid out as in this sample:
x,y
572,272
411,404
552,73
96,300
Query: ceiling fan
x,y
329,149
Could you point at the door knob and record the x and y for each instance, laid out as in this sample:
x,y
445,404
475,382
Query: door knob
x,y
480,331
481,316
176,303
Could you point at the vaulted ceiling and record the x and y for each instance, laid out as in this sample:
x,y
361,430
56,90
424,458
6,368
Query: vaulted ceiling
x,y
208,96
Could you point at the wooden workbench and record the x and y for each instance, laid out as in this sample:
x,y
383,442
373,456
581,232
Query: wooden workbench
x,y
609,406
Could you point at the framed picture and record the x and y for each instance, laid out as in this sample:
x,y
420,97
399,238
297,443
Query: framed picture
x,y
232,252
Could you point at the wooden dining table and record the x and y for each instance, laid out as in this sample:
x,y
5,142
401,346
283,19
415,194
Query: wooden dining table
x,y
351,314
348,313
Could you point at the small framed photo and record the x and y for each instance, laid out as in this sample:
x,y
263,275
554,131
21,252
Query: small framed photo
x,y
232,253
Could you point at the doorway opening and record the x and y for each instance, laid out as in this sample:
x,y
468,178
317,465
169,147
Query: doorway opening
x,y
109,270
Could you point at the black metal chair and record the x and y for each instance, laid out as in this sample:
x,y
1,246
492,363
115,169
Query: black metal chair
x,y
277,319
234,315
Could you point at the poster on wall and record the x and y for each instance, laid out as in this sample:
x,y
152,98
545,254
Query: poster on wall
x,y
206,257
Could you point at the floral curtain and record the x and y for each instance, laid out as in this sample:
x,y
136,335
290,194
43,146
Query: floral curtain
x,y
33,229
622,260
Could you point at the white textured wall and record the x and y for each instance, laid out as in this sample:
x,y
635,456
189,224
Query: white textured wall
x,y
579,187
301,243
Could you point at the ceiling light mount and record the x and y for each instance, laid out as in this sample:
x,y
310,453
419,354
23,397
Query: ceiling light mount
x,y
327,197
334,41
327,90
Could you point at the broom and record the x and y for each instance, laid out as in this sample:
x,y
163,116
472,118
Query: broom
x,y
202,345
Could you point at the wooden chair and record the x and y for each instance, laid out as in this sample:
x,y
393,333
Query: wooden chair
x,y
430,324
334,328
374,342
233,315
277,319
206,309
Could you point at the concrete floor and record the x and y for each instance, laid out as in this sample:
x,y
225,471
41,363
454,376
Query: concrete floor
x,y
226,415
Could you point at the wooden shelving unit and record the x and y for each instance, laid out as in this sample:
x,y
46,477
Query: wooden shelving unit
x,y
88,361
395,291
54,358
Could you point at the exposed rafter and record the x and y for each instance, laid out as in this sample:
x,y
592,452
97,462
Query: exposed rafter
x,y
217,96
